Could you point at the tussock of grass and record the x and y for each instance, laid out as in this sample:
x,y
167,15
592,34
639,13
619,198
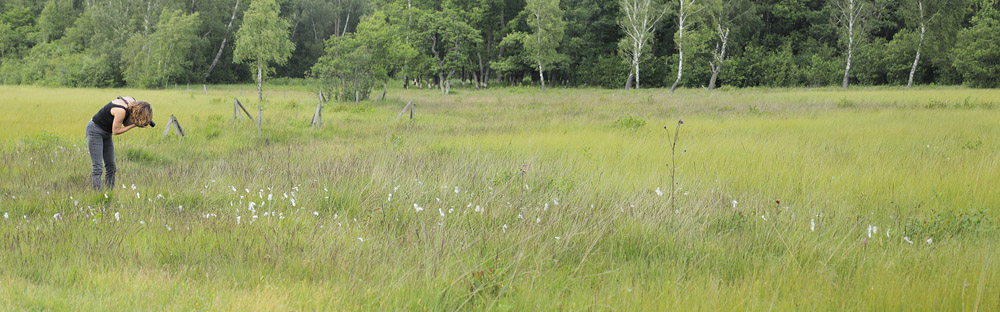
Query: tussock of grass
x,y
547,203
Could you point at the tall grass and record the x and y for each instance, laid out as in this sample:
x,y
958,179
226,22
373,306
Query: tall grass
x,y
528,201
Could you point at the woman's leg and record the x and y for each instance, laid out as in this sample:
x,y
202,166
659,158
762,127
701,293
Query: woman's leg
x,y
95,144
109,162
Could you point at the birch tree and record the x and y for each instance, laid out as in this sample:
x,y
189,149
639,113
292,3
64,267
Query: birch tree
x,y
852,17
726,16
263,39
685,11
638,22
548,26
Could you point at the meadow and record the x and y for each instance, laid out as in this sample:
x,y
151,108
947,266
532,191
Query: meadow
x,y
508,199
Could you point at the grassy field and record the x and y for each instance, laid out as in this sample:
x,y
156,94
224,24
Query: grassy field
x,y
509,199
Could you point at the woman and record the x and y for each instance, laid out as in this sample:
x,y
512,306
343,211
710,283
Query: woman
x,y
117,117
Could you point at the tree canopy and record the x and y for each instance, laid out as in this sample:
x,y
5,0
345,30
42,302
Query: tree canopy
x,y
482,43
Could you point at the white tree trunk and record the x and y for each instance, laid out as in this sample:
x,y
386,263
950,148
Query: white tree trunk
x,y
920,44
541,75
720,56
681,16
260,82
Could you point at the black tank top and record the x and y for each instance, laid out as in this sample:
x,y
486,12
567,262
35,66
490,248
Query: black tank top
x,y
104,119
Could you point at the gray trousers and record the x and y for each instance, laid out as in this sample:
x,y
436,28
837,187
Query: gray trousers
x,y
102,156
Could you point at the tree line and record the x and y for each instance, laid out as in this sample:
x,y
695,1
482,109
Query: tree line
x,y
356,46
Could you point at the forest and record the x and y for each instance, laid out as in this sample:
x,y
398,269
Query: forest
x,y
356,47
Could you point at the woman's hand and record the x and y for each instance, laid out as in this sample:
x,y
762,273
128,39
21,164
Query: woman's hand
x,y
118,127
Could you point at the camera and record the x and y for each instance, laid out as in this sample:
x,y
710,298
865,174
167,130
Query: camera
x,y
152,124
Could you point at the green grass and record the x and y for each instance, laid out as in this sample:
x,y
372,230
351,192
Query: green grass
x,y
549,200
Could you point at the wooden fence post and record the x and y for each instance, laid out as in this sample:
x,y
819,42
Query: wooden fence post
x,y
408,107
243,108
177,126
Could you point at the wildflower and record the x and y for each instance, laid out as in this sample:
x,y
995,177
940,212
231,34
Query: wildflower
x,y
116,216
734,204
658,192
390,197
361,239
233,187
869,231
268,197
168,227
504,228
864,242
479,209
5,216
556,201
57,216
812,225
546,207
417,207
137,196
930,240
293,202
142,222
907,239
133,187
456,190
316,213
238,219
538,220
685,193
680,122
159,196
762,217
557,237
441,212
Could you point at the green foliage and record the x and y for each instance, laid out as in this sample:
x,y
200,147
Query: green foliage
x,y
263,39
548,27
360,61
630,122
977,54
155,60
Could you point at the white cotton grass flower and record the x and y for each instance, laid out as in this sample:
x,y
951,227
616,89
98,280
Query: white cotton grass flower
x,y
142,222
812,225
293,202
316,213
456,190
233,187
417,207
763,217
441,212
555,201
504,228
361,239
133,187
57,216
390,197
658,192
117,217
557,237
168,227
734,204
5,216
907,239
238,220
930,241
538,220
137,196
869,231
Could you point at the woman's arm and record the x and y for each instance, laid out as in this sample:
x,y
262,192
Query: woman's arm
x,y
116,126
